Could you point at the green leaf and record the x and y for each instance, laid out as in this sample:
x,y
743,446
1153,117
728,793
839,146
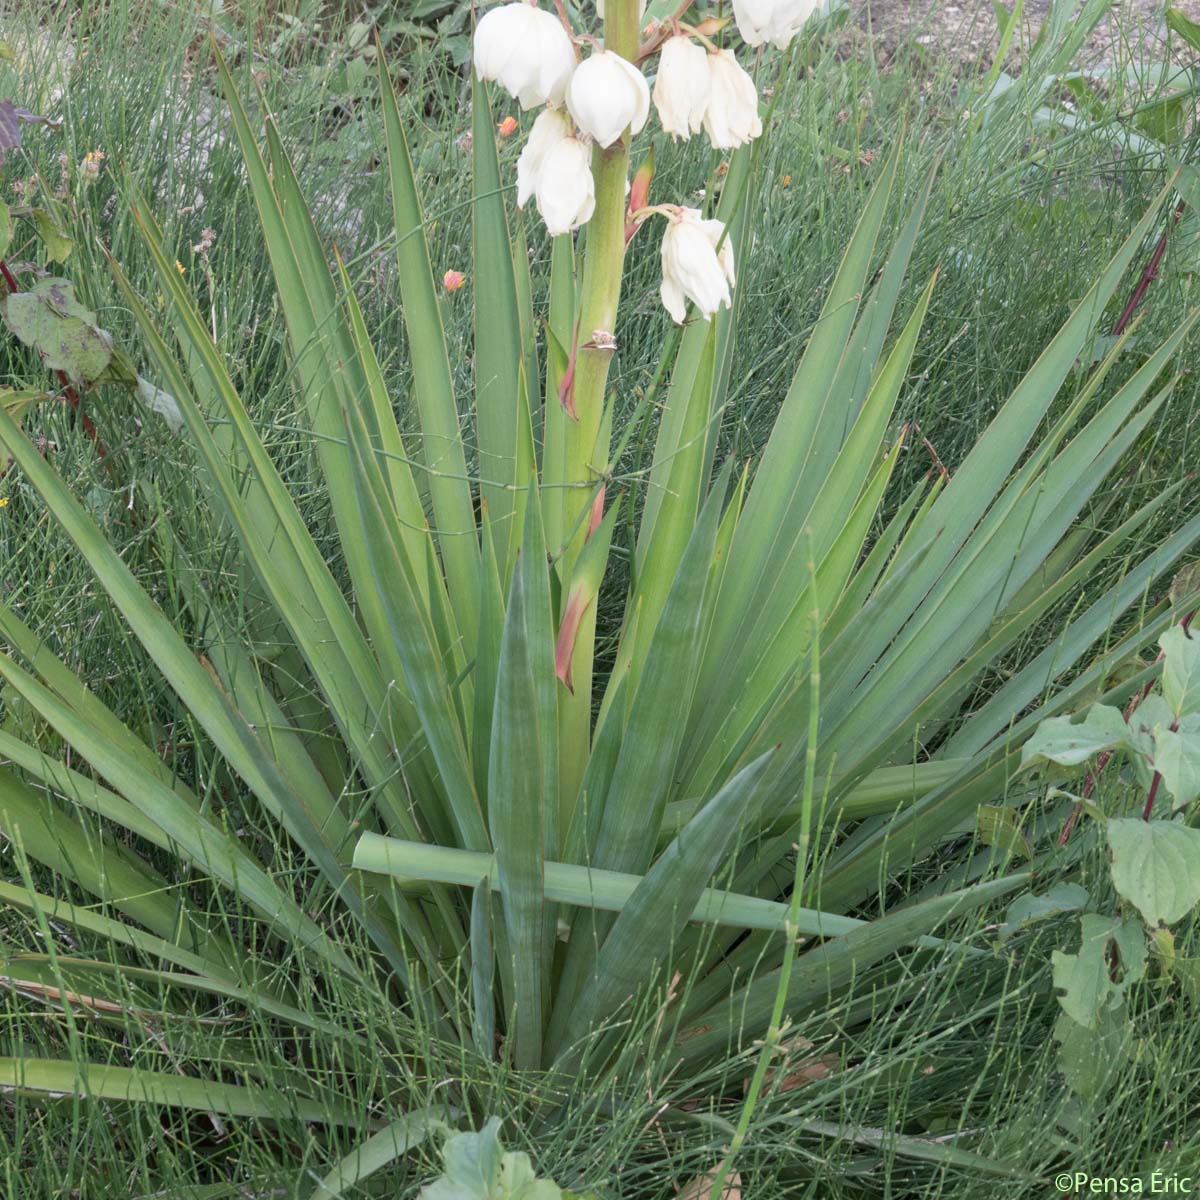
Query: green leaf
x,y
1187,29
1069,744
505,435
399,1138
1181,669
1084,977
475,1167
1177,759
94,1081
1001,827
441,438
6,229
1156,867
1091,1060
58,243
63,331
516,817
1025,910
649,926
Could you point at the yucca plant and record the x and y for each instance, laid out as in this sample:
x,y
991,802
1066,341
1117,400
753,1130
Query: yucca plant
x,y
790,721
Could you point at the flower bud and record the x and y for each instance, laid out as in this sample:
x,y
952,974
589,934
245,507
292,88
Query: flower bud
x,y
693,269
681,89
566,194
731,118
527,51
608,95
551,126
775,21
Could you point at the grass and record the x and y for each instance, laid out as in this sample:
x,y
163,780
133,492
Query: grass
x,y
1020,219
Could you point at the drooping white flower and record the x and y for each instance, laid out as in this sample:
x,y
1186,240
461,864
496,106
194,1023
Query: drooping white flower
x,y
608,95
682,87
527,51
731,118
551,126
693,269
775,21
566,194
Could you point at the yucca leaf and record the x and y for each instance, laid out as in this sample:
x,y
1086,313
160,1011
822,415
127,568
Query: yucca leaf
x,y
516,817
113,873
52,1077
502,415
280,548
409,644
824,972
644,935
483,951
441,439
381,1149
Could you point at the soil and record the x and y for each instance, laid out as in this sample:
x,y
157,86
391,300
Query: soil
x,y
967,30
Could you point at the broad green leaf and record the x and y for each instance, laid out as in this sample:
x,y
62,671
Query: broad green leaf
x,y
49,318
476,1167
1177,759
57,241
6,229
1183,25
1003,828
1181,670
1156,867
1068,743
1061,898
378,1151
1092,1060
1083,978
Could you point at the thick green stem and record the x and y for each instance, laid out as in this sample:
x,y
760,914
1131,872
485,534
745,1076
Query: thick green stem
x,y
585,459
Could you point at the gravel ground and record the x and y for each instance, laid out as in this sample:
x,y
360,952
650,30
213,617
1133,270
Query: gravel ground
x,y
967,30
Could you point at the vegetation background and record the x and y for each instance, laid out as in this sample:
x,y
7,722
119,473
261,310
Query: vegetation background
x,y
1026,208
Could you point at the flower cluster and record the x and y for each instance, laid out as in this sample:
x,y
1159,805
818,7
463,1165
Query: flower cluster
x,y
595,101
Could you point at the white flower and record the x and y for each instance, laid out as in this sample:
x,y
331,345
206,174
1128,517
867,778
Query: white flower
x,y
693,269
551,126
681,89
527,51
608,95
775,21
566,194
732,114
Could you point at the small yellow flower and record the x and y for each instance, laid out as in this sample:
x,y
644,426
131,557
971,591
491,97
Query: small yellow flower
x,y
89,168
507,127
180,267
3,501
786,181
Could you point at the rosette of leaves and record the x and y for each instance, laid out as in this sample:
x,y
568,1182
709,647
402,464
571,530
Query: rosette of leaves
x,y
461,812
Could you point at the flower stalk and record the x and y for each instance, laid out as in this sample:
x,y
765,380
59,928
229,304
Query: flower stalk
x,y
585,459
